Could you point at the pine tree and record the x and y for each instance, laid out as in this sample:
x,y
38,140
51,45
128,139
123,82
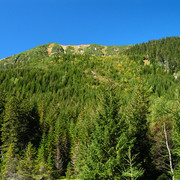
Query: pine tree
x,y
10,162
43,161
176,140
50,165
2,103
104,156
11,125
2,108
138,130
29,124
134,171
41,156
27,163
62,146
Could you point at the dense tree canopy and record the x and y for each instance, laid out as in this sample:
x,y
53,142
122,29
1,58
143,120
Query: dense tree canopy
x,y
90,116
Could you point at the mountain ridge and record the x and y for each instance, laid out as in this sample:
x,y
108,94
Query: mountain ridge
x,y
164,52
89,49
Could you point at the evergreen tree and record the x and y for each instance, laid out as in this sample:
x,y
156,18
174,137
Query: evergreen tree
x,y
11,125
176,140
139,129
43,167
104,155
29,124
27,163
2,107
2,103
62,146
134,171
41,156
10,162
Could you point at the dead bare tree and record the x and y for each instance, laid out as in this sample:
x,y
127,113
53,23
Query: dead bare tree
x,y
170,157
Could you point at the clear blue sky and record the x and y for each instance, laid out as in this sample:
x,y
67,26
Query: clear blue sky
x,y
25,24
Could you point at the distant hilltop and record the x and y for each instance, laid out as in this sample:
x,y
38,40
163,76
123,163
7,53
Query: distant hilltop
x,y
55,49
164,52
89,49
95,49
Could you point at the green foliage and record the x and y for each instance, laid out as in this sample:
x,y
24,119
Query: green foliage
x,y
80,50
176,140
133,171
57,50
163,177
26,166
2,100
162,114
70,50
11,125
138,128
41,156
116,50
34,54
104,154
78,123
2,104
42,167
94,49
10,162
165,52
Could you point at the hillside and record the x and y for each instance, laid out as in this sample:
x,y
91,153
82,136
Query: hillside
x,y
165,52
54,49
89,112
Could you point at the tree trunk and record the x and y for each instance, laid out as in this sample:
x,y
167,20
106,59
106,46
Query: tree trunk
x,y
170,158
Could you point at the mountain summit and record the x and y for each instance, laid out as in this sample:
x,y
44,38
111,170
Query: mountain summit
x,y
55,49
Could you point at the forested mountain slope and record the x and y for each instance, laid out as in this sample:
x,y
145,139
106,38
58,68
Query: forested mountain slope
x,y
165,52
88,116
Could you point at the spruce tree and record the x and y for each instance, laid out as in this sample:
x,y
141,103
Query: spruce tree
x,y
10,162
62,146
10,137
133,170
42,167
139,129
104,155
11,125
2,108
41,156
176,141
2,103
27,163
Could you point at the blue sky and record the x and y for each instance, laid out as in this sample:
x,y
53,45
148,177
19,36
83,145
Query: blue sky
x,y
25,24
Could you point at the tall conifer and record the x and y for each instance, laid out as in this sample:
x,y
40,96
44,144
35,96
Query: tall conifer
x,y
11,125
104,156
138,129
176,141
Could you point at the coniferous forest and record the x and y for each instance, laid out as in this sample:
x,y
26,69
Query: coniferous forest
x,y
93,113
